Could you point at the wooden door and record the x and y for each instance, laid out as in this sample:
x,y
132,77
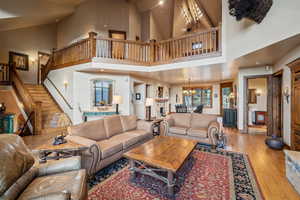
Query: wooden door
x,y
295,106
277,104
225,90
117,46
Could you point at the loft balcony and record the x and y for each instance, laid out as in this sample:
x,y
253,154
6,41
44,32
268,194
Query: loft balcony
x,y
198,45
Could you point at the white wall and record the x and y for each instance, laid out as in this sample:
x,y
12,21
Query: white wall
x,y
244,36
260,84
99,16
286,83
28,41
240,89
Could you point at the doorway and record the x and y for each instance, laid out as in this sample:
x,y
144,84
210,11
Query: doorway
x,y
43,59
257,113
117,47
225,91
139,100
277,105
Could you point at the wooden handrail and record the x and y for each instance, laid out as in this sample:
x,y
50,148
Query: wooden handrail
x,y
29,104
60,94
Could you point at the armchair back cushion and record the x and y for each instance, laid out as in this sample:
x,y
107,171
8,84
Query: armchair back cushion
x,y
199,121
129,123
93,130
181,119
15,158
113,125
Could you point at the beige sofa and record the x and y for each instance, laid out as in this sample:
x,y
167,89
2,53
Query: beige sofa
x,y
108,139
201,127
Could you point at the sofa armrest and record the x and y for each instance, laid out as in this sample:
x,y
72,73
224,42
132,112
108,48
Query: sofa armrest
x,y
64,195
144,125
166,124
214,128
58,166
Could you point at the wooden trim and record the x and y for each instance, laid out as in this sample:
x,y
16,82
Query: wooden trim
x,y
110,32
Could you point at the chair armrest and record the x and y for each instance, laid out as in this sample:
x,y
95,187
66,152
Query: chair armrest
x,y
90,157
64,195
214,128
58,166
144,125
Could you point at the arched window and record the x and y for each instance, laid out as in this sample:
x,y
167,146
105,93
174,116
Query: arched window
x,y
103,92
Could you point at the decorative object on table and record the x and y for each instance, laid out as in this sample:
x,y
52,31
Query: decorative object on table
x,y
2,108
102,103
117,100
19,61
255,10
60,139
199,109
138,96
149,103
275,142
234,166
286,94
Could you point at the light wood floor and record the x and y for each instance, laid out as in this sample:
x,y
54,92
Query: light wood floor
x,y
268,164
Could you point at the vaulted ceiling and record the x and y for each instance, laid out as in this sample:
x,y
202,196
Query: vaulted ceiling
x,y
16,14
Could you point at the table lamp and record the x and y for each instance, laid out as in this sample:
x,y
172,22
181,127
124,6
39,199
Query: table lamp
x,y
117,100
149,103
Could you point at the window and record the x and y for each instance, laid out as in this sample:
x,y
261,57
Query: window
x,y
103,92
202,96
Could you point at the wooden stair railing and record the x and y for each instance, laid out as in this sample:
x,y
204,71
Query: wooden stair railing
x,y
30,106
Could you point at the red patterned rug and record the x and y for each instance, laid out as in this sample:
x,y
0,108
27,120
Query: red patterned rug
x,y
205,176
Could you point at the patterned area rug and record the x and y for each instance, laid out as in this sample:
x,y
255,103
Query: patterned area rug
x,y
207,175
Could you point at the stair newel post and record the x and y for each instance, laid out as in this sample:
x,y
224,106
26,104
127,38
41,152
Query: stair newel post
x,y
152,50
38,126
93,47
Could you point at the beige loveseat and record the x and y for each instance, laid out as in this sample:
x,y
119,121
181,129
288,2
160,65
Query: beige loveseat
x,y
201,127
108,139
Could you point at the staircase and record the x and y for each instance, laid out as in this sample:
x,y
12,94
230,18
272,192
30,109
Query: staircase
x,y
51,112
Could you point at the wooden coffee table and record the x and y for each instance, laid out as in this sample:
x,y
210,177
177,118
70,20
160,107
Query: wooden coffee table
x,y
48,151
161,154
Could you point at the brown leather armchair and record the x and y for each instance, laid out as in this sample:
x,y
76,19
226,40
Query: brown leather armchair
x,y
24,179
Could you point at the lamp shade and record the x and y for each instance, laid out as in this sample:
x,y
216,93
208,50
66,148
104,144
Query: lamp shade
x,y
117,100
149,102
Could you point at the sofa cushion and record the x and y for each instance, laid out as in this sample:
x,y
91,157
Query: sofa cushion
x,y
129,122
109,147
202,120
113,125
142,133
199,132
93,130
127,139
178,130
73,182
181,119
15,160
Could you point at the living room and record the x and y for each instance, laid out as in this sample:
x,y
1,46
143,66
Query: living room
x,y
164,99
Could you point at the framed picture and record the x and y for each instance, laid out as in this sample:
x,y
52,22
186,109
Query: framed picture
x,y
19,60
138,96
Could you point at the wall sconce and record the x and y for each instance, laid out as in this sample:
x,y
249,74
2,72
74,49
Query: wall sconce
x,y
286,94
258,92
66,83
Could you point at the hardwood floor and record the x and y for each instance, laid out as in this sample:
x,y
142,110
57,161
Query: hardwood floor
x,y
269,165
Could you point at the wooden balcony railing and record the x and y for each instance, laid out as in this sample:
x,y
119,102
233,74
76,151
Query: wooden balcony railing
x,y
201,44
5,74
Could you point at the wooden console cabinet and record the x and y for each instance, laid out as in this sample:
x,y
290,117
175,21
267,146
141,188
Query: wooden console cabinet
x,y
295,99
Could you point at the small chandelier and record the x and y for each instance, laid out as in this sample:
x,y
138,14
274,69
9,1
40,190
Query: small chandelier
x,y
189,91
